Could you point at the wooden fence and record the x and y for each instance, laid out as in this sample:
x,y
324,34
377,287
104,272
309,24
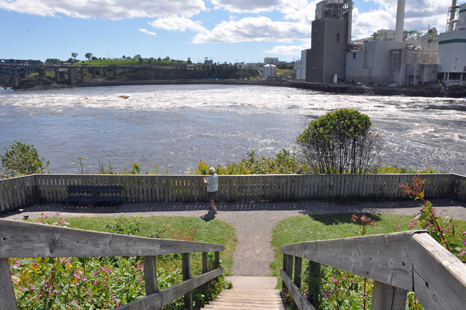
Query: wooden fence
x,y
22,239
397,262
24,191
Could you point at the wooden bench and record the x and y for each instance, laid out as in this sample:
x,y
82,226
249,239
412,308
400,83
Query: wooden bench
x,y
94,193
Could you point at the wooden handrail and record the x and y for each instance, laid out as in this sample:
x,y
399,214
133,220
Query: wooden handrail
x,y
398,262
23,239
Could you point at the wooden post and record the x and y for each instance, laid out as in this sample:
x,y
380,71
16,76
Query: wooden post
x,y
387,297
186,262
150,275
298,267
217,260
205,268
205,262
7,292
314,284
287,267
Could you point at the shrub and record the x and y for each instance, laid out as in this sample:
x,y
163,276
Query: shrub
x,y
339,142
22,159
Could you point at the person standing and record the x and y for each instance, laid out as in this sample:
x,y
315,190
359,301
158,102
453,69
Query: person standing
x,y
212,188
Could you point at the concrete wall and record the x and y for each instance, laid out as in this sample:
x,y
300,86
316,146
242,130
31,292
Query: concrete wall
x,y
452,52
420,73
355,68
327,55
376,60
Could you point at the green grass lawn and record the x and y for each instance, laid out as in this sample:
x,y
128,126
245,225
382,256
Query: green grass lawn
x,y
331,226
215,231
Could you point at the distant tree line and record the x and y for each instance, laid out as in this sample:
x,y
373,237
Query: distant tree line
x,y
185,73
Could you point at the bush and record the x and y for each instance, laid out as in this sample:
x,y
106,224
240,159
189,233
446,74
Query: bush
x,y
340,142
22,159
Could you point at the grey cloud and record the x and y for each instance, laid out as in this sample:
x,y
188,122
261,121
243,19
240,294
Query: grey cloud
x,y
240,6
117,9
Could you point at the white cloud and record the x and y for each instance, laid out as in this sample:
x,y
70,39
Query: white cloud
x,y
254,29
105,9
301,10
147,31
419,15
247,6
177,23
285,50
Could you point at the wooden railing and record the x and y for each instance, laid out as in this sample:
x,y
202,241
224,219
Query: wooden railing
x,y
22,239
24,191
397,262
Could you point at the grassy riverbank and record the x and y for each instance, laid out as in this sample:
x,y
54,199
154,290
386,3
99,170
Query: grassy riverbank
x,y
174,227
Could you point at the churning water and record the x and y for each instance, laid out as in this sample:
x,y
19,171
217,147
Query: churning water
x,y
177,125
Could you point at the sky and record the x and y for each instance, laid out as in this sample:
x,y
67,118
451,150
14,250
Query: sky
x,y
225,31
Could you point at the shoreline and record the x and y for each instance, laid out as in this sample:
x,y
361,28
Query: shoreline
x,y
432,90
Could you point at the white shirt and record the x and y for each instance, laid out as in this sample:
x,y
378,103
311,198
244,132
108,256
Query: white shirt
x,y
212,183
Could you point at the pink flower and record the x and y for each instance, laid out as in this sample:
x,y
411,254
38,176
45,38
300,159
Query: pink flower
x,y
57,213
140,280
412,224
396,226
427,224
464,241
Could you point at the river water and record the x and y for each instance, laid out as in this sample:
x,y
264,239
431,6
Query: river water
x,y
177,125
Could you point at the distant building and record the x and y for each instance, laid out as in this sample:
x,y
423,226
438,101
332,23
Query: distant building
x,y
452,49
331,32
270,71
241,65
271,61
301,66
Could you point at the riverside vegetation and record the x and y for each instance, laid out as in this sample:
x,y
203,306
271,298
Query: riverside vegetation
x,y
109,282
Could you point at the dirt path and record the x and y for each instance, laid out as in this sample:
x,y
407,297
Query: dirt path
x,y
254,222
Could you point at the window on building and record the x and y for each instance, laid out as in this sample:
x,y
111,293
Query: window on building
x,y
354,55
338,37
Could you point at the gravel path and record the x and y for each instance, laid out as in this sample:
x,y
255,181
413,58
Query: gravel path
x,y
254,222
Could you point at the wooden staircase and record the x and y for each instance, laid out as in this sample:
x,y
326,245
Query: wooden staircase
x,y
248,299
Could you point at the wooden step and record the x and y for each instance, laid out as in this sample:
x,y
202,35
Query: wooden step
x,y
246,299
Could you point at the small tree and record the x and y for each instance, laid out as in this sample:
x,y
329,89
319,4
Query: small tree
x,y
88,56
74,55
189,62
340,141
22,159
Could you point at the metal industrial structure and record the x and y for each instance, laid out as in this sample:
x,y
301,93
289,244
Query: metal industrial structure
x,y
270,71
452,48
331,34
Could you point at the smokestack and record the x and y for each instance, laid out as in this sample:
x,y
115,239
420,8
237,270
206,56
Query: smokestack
x,y
350,21
400,21
453,10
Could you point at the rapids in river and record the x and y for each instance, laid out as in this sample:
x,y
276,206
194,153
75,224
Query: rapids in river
x,y
175,126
